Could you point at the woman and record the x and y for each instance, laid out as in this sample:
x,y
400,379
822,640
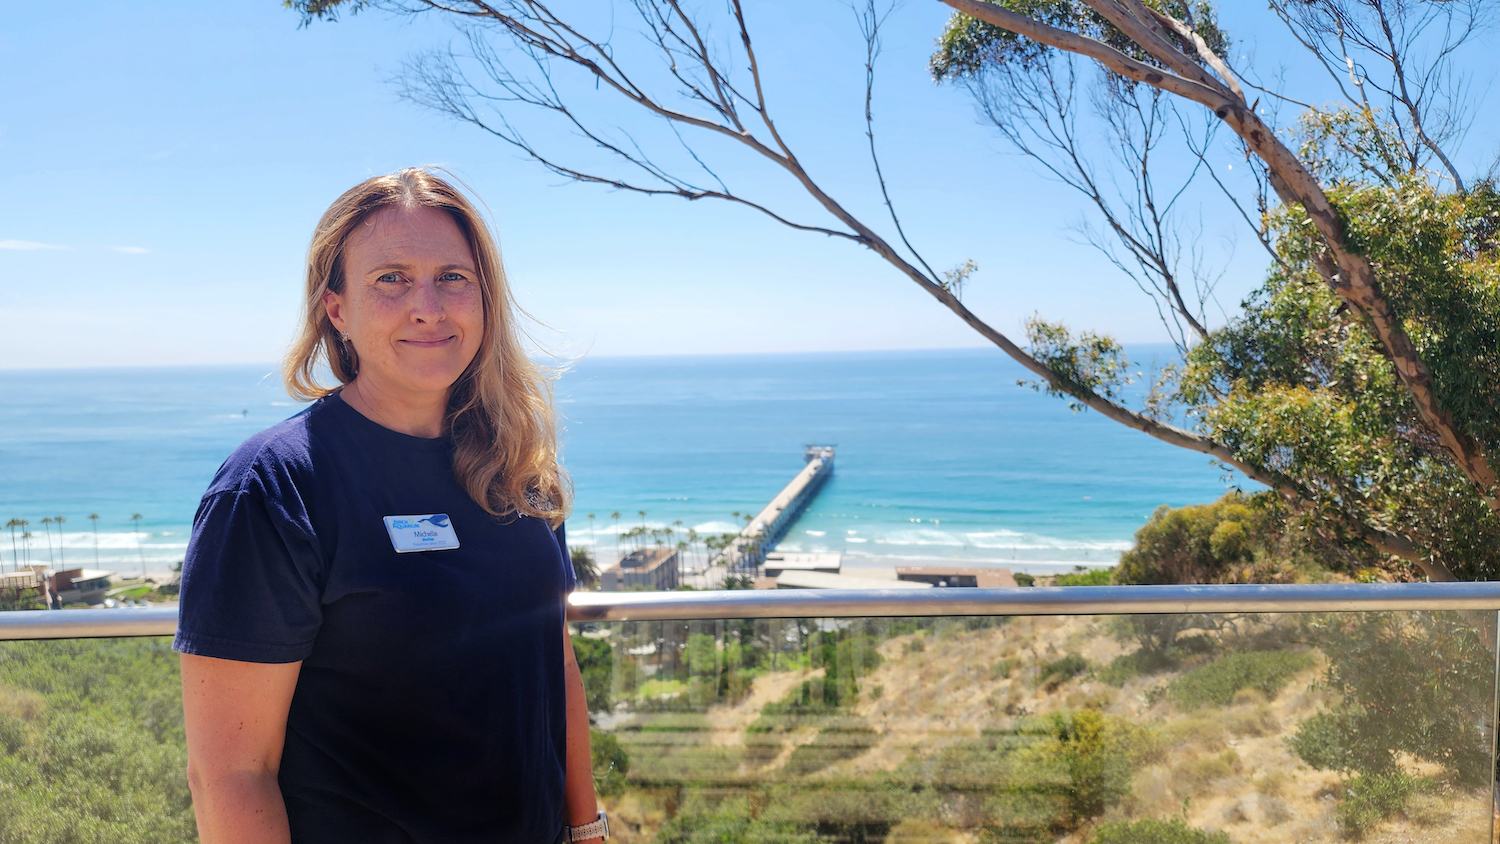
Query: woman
x,y
372,625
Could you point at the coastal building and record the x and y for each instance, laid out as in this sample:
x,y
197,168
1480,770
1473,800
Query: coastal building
x,y
780,561
31,579
955,576
648,568
86,585
824,580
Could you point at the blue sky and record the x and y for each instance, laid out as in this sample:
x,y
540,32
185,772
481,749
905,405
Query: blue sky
x,y
164,163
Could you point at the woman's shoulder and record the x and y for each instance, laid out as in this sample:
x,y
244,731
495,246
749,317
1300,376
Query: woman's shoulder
x,y
276,457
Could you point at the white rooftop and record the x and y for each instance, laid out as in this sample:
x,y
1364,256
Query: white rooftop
x,y
823,580
804,562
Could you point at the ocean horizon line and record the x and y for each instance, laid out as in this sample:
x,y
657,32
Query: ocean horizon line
x,y
274,366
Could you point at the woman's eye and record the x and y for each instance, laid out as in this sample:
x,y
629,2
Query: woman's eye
x,y
452,277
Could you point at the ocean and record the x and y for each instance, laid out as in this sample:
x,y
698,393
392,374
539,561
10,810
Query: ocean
x,y
942,458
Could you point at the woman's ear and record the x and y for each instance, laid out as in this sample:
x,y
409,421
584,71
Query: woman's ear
x,y
333,304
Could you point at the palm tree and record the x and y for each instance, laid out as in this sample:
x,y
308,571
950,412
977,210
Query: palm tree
x,y
25,539
15,551
616,516
591,530
62,557
585,568
642,514
94,517
47,526
135,518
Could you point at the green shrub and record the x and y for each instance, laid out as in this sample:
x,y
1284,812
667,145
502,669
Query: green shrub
x,y
596,664
1200,543
1094,753
723,825
1419,683
1370,799
1024,579
1092,577
92,744
1057,672
1004,668
20,599
610,762
1336,741
1216,683
12,733
1174,831
844,738
1123,668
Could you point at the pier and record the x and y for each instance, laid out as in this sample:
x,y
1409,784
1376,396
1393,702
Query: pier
x,y
744,555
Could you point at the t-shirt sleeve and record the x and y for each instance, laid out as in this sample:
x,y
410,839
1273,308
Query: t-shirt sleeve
x,y
570,577
250,585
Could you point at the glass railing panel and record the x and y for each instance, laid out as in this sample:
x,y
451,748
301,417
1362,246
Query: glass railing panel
x,y
1197,728
1194,728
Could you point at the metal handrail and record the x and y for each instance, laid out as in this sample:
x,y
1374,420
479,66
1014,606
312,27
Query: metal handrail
x,y
855,603
1054,600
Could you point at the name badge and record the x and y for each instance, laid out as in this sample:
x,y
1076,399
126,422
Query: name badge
x,y
421,533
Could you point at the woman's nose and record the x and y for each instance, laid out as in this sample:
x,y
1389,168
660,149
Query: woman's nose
x,y
428,305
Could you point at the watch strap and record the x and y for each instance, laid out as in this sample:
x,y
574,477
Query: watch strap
x,y
597,828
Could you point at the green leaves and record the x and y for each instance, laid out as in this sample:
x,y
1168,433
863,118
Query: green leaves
x,y
1414,683
1089,362
1297,383
968,46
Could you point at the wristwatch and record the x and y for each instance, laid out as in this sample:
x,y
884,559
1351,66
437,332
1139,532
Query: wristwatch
x,y
598,828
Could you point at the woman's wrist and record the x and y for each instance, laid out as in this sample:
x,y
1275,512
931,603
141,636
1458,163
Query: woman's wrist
x,y
596,828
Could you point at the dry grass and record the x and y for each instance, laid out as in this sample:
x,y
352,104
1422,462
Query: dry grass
x,y
21,703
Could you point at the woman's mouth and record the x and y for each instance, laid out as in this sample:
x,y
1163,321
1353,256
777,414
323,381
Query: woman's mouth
x,y
432,343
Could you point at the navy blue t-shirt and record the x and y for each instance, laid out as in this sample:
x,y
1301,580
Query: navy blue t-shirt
x,y
430,705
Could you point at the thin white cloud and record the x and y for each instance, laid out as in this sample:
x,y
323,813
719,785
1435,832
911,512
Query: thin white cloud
x,y
28,245
131,250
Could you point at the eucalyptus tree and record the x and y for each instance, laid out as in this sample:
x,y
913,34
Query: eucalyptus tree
x,y
1359,383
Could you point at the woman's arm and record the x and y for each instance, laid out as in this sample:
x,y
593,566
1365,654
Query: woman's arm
x,y
580,805
235,714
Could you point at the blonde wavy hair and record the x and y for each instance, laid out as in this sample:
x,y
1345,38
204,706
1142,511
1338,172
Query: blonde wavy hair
x,y
500,415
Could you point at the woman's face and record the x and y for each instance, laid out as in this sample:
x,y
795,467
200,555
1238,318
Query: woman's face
x,y
411,304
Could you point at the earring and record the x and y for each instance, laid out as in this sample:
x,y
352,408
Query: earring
x,y
344,335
